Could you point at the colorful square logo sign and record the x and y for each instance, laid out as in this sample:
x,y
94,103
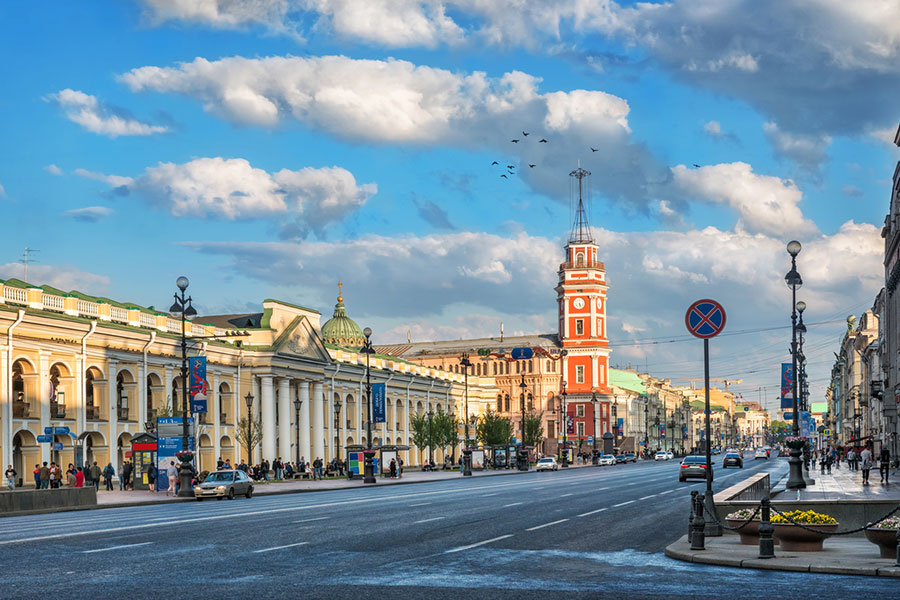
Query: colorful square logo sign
x,y
197,383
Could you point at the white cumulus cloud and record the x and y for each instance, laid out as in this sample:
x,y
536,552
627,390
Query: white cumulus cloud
x,y
93,115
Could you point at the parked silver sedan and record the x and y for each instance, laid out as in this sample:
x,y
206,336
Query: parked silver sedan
x,y
224,484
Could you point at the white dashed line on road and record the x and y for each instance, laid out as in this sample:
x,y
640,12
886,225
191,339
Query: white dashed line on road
x,y
666,492
488,495
513,504
623,503
461,548
116,547
601,489
547,525
429,520
420,504
564,495
310,520
593,512
280,547
648,497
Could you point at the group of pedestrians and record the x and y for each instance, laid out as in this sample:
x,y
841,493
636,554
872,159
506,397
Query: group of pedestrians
x,y
861,459
395,468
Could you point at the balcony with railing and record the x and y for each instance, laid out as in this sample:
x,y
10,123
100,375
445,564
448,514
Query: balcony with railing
x,y
57,411
92,413
582,264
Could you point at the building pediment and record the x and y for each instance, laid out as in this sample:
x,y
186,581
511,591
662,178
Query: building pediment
x,y
300,339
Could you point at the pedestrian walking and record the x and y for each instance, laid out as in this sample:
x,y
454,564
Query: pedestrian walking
x,y
393,469
127,470
55,476
172,472
152,474
108,473
10,477
866,458
79,477
87,473
95,475
884,464
71,479
44,476
400,467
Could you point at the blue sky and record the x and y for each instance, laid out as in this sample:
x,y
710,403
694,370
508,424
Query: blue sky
x,y
272,148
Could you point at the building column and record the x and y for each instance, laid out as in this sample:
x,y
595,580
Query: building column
x,y
318,442
359,424
303,394
285,410
43,387
213,403
267,409
5,409
112,441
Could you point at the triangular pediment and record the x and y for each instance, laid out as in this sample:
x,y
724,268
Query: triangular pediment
x,y
301,339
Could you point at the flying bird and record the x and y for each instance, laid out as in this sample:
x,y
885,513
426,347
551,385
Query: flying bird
x,y
532,166
504,176
593,149
510,166
510,172
696,165
525,133
514,141
542,141
495,163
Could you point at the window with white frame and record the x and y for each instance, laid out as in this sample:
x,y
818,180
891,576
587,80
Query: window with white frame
x,y
580,428
579,326
579,374
579,410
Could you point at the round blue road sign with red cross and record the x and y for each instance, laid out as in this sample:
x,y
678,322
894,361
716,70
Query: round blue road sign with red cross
x,y
705,318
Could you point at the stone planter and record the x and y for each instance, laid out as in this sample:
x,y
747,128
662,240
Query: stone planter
x,y
749,533
797,539
885,539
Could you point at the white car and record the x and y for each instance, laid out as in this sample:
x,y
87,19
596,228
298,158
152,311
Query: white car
x,y
670,455
548,463
661,455
607,459
761,453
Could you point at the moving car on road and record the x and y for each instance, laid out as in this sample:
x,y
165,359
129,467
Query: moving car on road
x,y
606,459
732,459
693,467
224,484
670,454
630,457
661,456
760,453
621,458
548,463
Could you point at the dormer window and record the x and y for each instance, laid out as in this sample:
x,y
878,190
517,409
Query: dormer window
x,y
579,259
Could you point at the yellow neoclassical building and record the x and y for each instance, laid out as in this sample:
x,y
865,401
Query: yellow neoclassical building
x,y
104,369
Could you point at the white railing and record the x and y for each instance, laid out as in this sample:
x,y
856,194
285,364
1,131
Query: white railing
x,y
117,314
54,302
173,324
91,309
197,329
15,294
147,320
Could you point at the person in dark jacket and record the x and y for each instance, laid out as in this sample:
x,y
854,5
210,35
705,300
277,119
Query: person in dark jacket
x,y
95,475
108,473
884,464
151,478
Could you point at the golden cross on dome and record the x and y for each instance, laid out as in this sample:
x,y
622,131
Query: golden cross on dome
x,y
340,298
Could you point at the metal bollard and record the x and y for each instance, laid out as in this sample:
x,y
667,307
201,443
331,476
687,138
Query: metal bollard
x,y
766,541
698,539
691,516
898,548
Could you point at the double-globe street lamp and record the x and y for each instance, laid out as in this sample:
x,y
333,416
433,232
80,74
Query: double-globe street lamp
x,y
369,468
249,400
564,413
465,363
183,306
337,426
298,403
430,436
794,281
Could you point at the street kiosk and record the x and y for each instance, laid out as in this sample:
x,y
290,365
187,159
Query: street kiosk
x,y
143,451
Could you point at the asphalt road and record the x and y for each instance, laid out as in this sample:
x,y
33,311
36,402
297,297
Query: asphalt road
x,y
591,532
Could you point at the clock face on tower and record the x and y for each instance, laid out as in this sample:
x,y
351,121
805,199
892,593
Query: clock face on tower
x,y
579,303
599,302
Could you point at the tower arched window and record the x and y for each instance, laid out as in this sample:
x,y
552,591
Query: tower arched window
x,y
499,402
531,366
579,259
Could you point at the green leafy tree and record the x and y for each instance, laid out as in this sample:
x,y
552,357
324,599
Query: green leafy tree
x,y
445,429
493,429
418,424
249,432
534,429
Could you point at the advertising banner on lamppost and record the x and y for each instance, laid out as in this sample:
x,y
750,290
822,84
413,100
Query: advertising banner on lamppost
x,y
197,383
787,385
378,403
570,423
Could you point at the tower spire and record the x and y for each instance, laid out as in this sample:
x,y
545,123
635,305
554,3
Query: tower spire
x,y
581,229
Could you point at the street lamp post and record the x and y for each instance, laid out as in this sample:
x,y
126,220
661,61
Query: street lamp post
x,y
465,363
523,387
297,404
337,426
794,281
249,400
369,468
565,421
430,436
646,425
615,416
182,305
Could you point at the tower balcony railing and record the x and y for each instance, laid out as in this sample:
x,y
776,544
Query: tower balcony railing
x,y
582,264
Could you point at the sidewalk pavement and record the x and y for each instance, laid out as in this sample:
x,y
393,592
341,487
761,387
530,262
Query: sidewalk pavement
x,y
840,556
844,484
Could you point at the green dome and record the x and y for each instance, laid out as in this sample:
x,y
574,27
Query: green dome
x,y
340,329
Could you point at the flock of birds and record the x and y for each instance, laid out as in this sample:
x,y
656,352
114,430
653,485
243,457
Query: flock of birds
x,y
510,169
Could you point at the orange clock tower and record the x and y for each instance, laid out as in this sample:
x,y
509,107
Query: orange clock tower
x,y
581,299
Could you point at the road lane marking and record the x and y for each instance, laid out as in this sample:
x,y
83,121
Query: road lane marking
x,y
648,497
488,495
547,525
280,547
593,512
428,520
310,520
564,495
513,504
461,548
666,492
419,504
601,489
116,547
622,504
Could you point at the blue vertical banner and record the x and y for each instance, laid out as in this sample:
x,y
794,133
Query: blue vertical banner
x,y
620,421
378,403
197,383
787,385
169,432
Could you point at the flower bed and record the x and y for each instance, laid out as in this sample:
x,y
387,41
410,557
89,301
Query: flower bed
x,y
797,539
884,535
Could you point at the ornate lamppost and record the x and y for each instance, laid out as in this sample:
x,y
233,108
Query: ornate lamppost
x,y
565,425
249,400
337,425
430,436
465,363
794,281
183,306
369,468
297,404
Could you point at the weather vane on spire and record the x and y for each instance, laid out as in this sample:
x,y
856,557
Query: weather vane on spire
x,y
340,297
581,229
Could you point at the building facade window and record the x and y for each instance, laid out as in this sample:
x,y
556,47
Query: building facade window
x,y
579,374
580,428
579,326
579,410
